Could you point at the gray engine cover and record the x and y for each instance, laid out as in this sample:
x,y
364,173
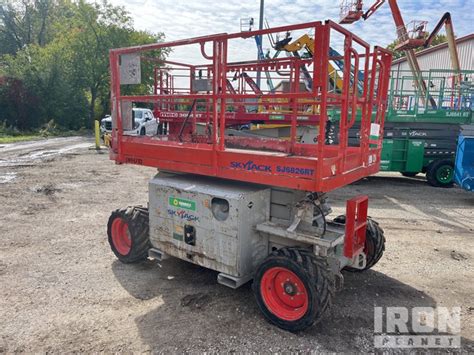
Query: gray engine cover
x,y
231,246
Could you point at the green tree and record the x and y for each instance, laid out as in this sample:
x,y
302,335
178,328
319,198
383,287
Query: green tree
x,y
28,22
398,54
46,73
56,54
101,27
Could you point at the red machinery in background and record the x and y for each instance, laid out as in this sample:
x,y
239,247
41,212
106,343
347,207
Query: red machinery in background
x,y
409,37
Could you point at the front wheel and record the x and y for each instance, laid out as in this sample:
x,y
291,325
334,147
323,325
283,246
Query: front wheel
x,y
128,234
293,288
441,173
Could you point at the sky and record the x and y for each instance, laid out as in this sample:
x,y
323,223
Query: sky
x,y
190,18
180,19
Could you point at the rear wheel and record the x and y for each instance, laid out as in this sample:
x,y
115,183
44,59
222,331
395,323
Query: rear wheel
x,y
293,288
374,243
441,173
143,131
128,234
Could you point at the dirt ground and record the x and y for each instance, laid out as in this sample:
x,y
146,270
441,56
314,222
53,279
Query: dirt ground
x,y
62,289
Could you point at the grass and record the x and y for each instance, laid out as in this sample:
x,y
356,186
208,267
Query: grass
x,y
6,138
19,138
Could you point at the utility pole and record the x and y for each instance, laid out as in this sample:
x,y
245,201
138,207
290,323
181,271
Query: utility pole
x,y
259,41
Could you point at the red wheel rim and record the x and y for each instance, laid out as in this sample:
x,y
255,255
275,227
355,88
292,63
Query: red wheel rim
x,y
121,236
284,294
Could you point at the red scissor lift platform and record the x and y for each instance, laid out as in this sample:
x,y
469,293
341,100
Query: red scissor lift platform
x,y
275,232
196,140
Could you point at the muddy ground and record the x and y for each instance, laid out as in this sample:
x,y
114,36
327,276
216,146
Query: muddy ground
x,y
62,289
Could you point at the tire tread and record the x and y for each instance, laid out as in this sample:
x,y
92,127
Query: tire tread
x,y
319,274
376,236
431,173
137,220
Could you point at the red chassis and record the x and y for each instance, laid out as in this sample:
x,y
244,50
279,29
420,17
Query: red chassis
x,y
197,140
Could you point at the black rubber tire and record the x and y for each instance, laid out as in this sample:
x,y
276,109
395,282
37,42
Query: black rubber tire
x,y
142,131
409,173
137,220
318,280
431,173
374,243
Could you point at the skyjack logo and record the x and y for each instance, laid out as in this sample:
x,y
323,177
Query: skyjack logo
x,y
250,166
183,215
417,134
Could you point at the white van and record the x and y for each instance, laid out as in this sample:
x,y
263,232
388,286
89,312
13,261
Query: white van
x,y
144,123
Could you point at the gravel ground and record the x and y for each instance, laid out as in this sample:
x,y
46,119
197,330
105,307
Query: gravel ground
x,y
63,290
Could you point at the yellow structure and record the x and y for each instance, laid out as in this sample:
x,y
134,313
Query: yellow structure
x,y
307,42
97,134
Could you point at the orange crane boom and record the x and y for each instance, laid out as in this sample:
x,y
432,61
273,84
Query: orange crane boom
x,y
353,11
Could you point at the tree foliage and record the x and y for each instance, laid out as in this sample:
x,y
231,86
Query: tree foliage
x,y
54,61
438,39
28,22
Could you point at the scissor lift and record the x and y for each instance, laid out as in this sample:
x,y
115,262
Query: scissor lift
x,y
245,205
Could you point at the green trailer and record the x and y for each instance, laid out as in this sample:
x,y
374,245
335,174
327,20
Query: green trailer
x,y
411,156
404,155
